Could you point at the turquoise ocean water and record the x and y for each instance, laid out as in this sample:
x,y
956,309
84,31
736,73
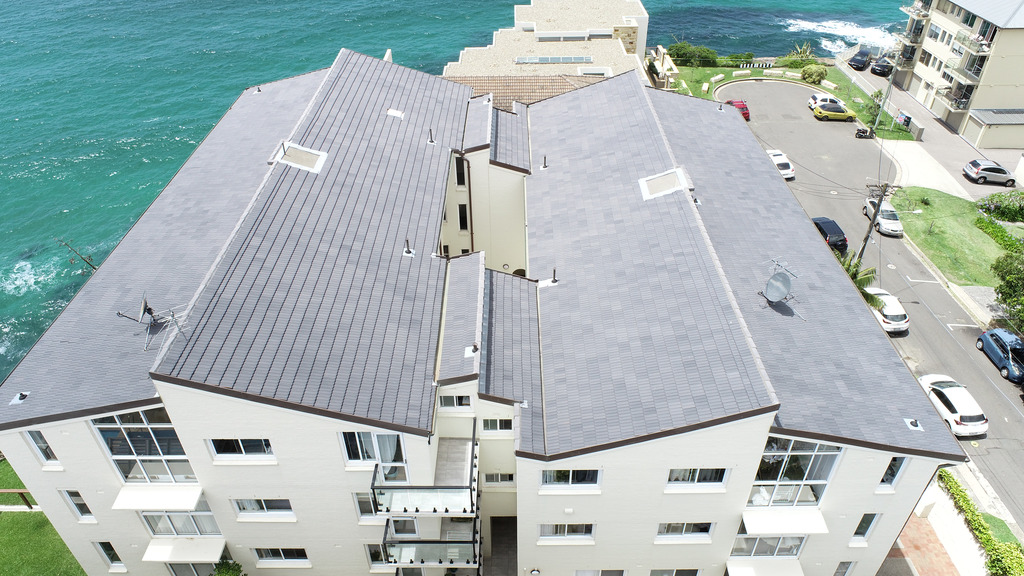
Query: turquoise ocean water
x,y
102,101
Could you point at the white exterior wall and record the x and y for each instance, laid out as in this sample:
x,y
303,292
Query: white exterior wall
x,y
499,211
85,466
456,239
309,469
634,498
1002,85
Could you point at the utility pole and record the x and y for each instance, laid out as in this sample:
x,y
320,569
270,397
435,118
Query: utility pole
x,y
885,99
879,192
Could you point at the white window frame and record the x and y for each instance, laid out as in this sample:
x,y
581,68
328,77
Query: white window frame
x,y
775,553
250,450
371,518
281,562
684,532
455,402
868,530
191,566
546,484
890,484
368,463
262,513
202,511
497,425
844,568
599,573
369,556
44,451
86,517
783,491
690,480
174,466
415,527
496,478
676,572
113,559
564,533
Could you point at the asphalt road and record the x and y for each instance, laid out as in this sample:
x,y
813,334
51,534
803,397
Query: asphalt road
x,y
832,171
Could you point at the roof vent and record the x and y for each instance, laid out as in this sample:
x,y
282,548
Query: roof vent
x,y
408,252
19,398
300,157
396,113
913,424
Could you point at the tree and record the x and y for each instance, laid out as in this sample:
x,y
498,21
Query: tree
x,y
861,279
228,568
874,108
686,54
1010,293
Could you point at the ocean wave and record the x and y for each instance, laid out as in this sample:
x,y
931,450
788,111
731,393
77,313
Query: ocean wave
x,y
839,34
24,277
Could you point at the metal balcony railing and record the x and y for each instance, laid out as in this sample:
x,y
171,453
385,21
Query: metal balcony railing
x,y
967,73
914,37
955,101
454,548
972,42
918,9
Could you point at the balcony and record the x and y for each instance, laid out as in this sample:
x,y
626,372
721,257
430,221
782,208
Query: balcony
x,y
966,72
955,101
452,494
972,42
918,10
455,544
911,38
904,62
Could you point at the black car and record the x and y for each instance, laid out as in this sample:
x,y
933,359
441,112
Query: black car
x,y
861,59
882,67
832,233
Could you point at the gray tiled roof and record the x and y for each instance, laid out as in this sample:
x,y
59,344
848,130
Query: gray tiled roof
x,y
314,305
478,124
510,139
999,116
463,310
512,349
835,372
90,360
507,90
638,335
1002,13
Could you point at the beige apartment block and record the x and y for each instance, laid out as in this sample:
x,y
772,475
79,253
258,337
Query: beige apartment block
x,y
963,60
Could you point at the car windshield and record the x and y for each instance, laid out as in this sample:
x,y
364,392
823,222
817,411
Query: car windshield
x,y
888,215
943,384
782,165
1017,354
895,317
972,418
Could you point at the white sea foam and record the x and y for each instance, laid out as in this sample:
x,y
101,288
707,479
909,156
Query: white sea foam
x,y
24,278
839,35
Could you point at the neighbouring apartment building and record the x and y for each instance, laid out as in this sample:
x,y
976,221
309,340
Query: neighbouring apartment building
x,y
376,325
962,60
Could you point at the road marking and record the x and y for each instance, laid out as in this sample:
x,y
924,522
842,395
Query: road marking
x,y
909,279
962,325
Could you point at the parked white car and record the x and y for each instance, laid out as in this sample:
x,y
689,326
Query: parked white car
x,y
822,98
892,317
955,404
888,221
782,163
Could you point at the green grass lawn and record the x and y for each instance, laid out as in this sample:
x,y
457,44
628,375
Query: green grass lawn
x,y
846,90
946,233
999,528
29,546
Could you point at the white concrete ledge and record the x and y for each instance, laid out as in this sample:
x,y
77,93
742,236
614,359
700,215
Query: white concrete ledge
x,y
794,75
718,78
739,73
773,73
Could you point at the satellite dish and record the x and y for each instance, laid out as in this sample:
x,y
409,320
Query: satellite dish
x,y
143,309
777,288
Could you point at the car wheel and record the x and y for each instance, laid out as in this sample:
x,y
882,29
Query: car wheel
x,y
849,118
981,180
1010,183
864,210
878,227
979,344
1004,372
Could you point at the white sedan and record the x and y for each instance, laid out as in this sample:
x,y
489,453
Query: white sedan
x,y
892,316
888,221
822,98
955,404
782,163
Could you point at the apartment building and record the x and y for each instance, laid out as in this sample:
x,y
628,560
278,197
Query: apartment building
x,y
962,60
376,325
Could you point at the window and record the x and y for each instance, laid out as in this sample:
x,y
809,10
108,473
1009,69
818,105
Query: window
x,y
843,569
947,77
370,447
144,447
280,553
696,475
566,530
685,529
463,217
677,572
968,19
454,401
364,504
74,497
766,545
244,447
460,171
262,505
107,549
792,472
599,573
403,527
498,478
933,32
410,572
42,446
191,569
445,250
497,424
569,477
926,57
375,553
195,523
464,251
864,527
893,470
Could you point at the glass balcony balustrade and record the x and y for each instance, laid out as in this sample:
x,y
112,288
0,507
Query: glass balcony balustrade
x,y
912,37
972,42
457,545
956,101
918,9
966,70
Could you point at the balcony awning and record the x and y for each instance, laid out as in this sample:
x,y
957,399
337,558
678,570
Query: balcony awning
x,y
764,567
782,520
171,497
204,549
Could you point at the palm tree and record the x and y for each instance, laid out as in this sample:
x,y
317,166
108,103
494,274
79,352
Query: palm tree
x,y
861,279
799,51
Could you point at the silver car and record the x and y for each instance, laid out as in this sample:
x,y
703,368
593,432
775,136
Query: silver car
x,y
982,171
888,221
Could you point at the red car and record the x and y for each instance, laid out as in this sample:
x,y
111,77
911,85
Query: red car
x,y
741,106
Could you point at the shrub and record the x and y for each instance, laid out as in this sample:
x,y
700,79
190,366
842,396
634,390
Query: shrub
x,y
1007,206
995,230
795,62
814,73
686,54
1003,559
227,568
737,59
1009,268
652,69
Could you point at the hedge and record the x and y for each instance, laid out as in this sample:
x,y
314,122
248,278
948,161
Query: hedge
x,y
1006,206
995,230
1004,558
